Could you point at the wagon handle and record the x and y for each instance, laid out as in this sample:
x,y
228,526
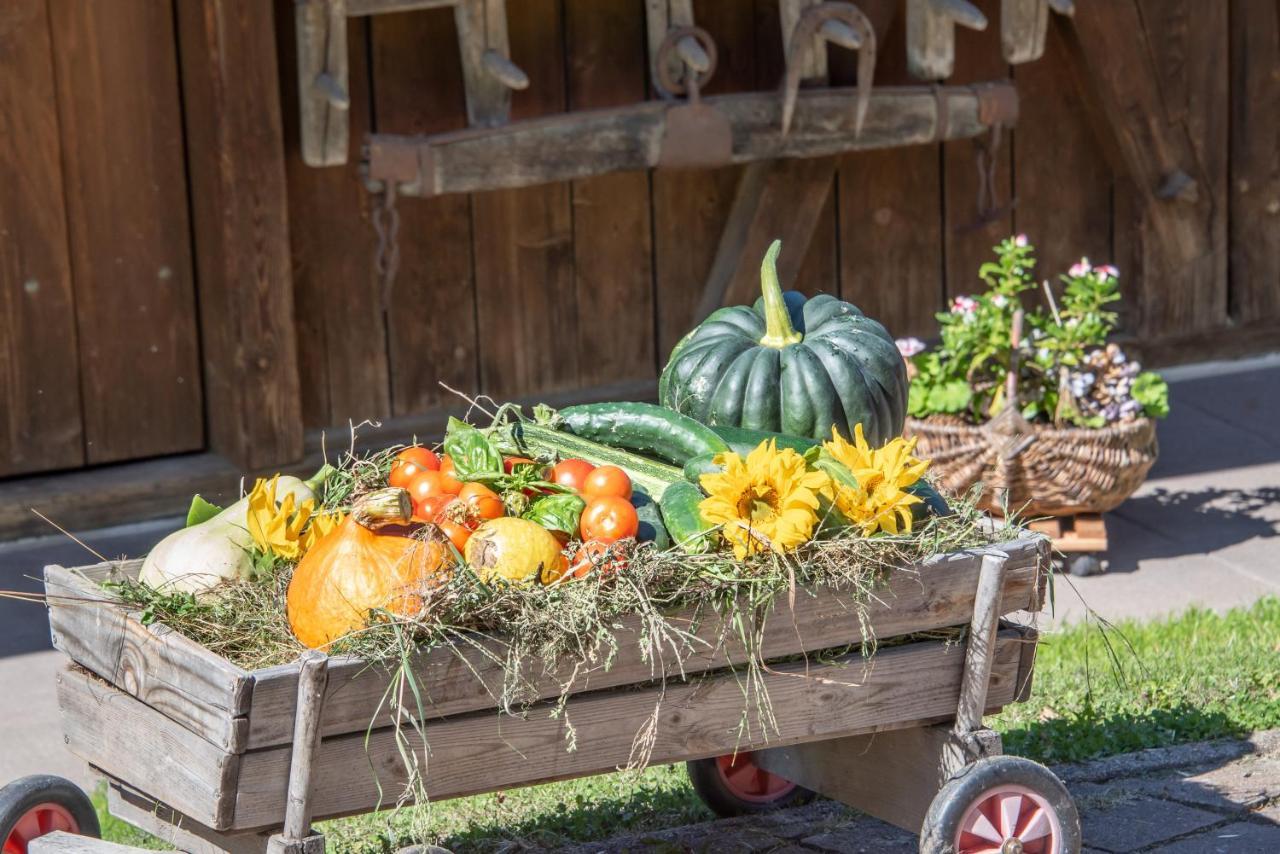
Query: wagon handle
x,y
297,838
1015,341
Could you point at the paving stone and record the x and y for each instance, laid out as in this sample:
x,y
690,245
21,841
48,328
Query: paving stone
x,y
1135,824
1236,787
746,841
1239,838
864,837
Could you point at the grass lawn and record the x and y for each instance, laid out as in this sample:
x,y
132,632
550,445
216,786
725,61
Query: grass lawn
x,y
1192,677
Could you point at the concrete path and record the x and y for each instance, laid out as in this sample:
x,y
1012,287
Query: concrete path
x,y
1203,798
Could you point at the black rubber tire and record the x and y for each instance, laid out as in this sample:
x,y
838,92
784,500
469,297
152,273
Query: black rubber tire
x,y
971,782
1083,565
710,786
17,798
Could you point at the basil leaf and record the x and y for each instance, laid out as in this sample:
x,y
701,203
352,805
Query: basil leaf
x,y
557,512
473,455
201,511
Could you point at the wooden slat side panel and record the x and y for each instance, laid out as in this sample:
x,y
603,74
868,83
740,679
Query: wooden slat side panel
x,y
417,88
1255,160
910,685
612,240
230,83
196,689
40,419
523,239
121,120
342,345
940,595
124,737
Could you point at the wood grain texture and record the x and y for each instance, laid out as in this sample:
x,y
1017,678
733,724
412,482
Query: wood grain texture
x,y
417,88
172,828
525,289
126,738
940,595
40,418
966,244
342,339
122,148
1255,160
612,239
910,685
230,83
59,842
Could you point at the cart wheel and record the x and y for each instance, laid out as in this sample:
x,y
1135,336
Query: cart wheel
x,y
1002,805
734,785
1084,564
40,804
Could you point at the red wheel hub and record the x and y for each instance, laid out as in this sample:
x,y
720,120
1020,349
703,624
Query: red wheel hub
x,y
1009,820
36,822
748,781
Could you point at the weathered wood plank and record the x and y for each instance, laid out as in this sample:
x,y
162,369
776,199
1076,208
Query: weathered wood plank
x,y
612,236
196,689
940,595
173,828
523,238
910,685
121,129
230,82
342,336
417,88
1255,161
40,419
59,842
130,740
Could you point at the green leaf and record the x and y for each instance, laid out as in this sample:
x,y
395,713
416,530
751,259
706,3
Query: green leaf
x,y
201,511
557,513
473,455
951,396
1152,392
918,400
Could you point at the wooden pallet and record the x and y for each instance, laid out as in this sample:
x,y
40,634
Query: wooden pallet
x,y
1082,532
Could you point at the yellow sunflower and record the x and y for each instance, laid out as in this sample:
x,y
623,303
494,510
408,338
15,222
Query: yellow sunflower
x,y
877,501
767,501
282,528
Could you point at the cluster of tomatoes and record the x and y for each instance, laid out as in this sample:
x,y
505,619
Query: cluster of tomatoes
x,y
457,508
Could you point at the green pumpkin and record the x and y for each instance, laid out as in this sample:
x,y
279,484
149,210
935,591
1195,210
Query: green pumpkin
x,y
790,365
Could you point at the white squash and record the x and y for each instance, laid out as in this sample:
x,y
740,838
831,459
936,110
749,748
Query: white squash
x,y
199,558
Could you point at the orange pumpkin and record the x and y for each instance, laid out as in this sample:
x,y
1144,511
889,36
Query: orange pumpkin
x,y
369,562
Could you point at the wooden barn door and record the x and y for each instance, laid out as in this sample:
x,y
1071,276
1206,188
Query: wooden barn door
x,y
99,354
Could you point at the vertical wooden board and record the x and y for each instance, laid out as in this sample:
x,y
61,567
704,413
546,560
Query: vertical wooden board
x,y
690,207
120,111
417,88
1064,183
239,201
1255,160
525,294
612,237
40,426
978,59
342,346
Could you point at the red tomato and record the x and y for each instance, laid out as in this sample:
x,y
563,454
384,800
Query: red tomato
x,y
596,555
446,469
409,463
457,533
608,518
607,480
482,502
427,484
571,473
429,508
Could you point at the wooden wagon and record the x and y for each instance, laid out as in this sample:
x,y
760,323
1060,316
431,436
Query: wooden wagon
x,y
214,758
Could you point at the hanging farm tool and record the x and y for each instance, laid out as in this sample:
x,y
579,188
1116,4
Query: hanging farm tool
x,y
839,23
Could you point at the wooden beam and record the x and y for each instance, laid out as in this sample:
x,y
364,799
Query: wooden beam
x,y
239,202
324,84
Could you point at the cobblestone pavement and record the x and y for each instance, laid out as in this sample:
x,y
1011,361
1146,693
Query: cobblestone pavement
x,y
1205,798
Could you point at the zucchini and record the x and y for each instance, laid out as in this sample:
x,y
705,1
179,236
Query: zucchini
x,y
700,465
649,475
742,440
684,522
652,528
643,427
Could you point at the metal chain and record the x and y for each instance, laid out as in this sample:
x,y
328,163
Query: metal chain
x,y
386,259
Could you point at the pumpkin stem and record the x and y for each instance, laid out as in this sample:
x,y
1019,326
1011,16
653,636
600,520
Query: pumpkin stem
x,y
390,506
779,332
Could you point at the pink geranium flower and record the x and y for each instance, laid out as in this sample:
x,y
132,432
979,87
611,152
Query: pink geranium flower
x,y
908,347
1080,268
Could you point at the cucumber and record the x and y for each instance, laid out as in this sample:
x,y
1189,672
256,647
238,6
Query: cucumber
x,y
931,502
652,528
649,475
742,440
643,427
683,520
700,465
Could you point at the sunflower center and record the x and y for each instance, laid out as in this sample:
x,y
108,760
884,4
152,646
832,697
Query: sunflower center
x,y
758,507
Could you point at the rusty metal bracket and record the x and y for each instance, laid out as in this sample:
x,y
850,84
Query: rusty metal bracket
x,y
695,135
839,23
696,50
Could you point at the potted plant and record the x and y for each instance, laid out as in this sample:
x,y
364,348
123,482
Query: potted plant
x,y
1034,402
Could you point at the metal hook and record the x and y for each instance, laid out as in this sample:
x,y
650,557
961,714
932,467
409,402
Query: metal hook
x,y
839,23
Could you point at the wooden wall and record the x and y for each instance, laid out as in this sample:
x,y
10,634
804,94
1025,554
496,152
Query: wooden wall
x,y
174,278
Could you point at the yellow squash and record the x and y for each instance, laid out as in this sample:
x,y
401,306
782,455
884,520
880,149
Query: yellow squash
x,y
517,550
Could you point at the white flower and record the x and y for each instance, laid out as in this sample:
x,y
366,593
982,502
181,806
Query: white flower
x,y
1106,271
964,305
1020,240
1080,268
908,347
999,300
1043,353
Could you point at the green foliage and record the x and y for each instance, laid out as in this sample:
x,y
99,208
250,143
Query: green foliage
x,y
1152,392
557,513
473,455
201,511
